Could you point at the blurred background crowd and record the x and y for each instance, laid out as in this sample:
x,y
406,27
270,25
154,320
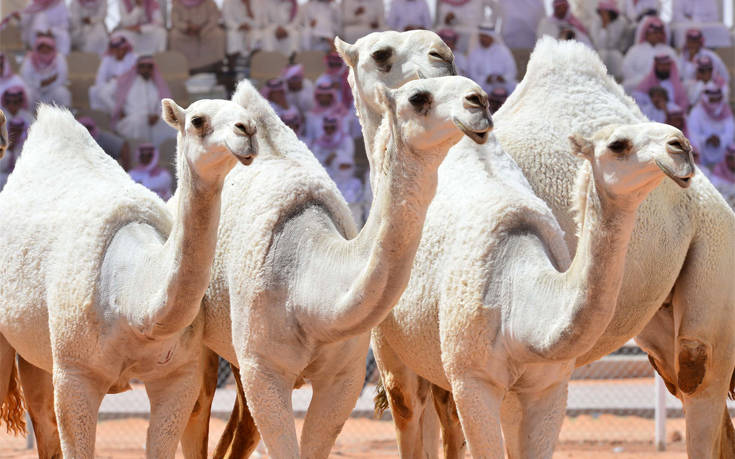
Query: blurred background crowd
x,y
112,61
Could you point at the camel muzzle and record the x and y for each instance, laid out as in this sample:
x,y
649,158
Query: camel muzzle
x,y
480,133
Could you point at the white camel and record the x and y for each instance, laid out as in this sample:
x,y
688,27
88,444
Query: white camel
x,y
677,296
99,283
487,311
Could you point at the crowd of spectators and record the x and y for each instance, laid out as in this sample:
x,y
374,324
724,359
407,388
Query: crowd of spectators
x,y
665,66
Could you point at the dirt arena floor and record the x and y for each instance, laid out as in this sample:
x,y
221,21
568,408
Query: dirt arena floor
x,y
598,437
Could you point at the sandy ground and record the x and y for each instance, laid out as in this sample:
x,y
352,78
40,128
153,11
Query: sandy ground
x,y
599,437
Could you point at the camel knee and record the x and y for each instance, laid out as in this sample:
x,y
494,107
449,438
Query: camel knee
x,y
693,357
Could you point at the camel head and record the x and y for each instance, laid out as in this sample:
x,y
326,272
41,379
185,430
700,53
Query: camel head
x,y
4,140
212,135
392,58
433,114
631,160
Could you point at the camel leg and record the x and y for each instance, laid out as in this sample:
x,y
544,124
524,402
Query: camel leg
x,y
478,404
452,436
240,437
12,413
268,392
406,393
38,389
536,429
330,407
77,398
172,401
196,434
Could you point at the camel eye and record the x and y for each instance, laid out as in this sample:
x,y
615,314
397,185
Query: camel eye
x,y
381,58
197,121
618,146
421,101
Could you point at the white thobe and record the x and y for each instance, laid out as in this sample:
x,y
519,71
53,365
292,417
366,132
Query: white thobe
x,y
608,42
160,183
326,155
152,36
519,21
55,92
303,100
92,37
701,127
550,25
688,68
277,13
355,25
54,19
695,88
405,13
494,60
327,23
704,15
466,20
235,14
143,100
646,105
638,62
102,94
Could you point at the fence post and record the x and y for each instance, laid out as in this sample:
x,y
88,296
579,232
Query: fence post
x,y
660,412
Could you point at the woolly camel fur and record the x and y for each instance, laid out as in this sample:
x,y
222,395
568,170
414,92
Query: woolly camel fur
x,y
676,294
128,304
333,361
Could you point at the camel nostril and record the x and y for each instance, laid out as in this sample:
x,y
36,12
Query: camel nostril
x,y
240,127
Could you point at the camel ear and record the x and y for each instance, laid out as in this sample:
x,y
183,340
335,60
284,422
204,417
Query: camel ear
x,y
385,98
173,114
582,146
347,52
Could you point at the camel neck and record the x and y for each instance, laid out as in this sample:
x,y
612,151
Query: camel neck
x,y
189,250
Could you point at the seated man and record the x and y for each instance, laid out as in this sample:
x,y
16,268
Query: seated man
x,y
654,104
88,29
608,36
701,14
195,32
497,98
45,72
326,104
7,77
639,58
491,64
704,75
45,17
464,17
280,31
149,173
450,37
342,172
637,10
293,119
241,23
14,102
694,49
711,125
562,20
118,60
320,22
299,90
142,24
408,15
137,112
274,91
115,146
664,74
361,17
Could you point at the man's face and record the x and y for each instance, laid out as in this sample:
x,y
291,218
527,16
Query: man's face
x,y
145,70
659,98
693,45
452,41
45,49
119,52
662,70
655,35
278,96
560,10
295,83
486,41
13,103
714,98
145,156
676,120
324,100
730,161
330,129
704,73
334,63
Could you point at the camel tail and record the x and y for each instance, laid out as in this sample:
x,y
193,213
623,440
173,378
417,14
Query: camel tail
x,y
381,399
12,409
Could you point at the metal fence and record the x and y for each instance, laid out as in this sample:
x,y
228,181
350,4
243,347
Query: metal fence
x,y
613,404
